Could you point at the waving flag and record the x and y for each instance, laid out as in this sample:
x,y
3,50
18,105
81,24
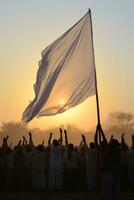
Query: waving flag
x,y
66,74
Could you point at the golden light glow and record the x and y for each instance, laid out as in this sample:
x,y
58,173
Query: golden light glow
x,y
62,102
19,62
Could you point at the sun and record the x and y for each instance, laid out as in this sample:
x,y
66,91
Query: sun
x,y
62,102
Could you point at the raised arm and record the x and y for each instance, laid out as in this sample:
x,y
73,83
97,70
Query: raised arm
x,y
4,144
111,139
24,141
19,143
96,137
60,140
81,142
42,142
30,139
102,134
84,140
50,138
123,143
66,138
122,139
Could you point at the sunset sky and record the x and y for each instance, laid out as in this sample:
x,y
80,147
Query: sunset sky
x,y
28,26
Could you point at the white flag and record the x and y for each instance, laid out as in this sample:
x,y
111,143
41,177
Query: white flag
x,y
66,74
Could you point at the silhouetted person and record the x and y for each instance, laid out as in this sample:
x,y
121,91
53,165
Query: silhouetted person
x,y
131,164
82,178
55,168
91,164
38,165
110,167
124,164
70,166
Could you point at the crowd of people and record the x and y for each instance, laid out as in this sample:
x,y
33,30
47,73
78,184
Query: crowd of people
x,y
105,164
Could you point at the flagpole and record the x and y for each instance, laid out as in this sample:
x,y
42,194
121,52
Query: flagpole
x,y
96,87
98,109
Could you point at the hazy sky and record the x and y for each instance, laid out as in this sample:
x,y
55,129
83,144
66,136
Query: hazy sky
x,y
28,26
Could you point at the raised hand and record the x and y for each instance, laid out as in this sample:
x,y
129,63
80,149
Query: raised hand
x,y
112,136
4,139
122,138
50,137
30,134
84,140
60,130
43,143
60,135
83,137
19,143
24,141
66,139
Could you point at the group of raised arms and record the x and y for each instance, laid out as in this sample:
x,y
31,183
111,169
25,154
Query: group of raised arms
x,y
59,166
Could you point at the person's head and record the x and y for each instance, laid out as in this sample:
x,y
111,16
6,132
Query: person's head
x,y
70,147
114,144
19,150
39,147
76,148
103,145
82,149
55,143
28,148
92,145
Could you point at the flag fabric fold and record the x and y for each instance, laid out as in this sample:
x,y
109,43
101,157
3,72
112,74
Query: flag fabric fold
x,y
66,74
